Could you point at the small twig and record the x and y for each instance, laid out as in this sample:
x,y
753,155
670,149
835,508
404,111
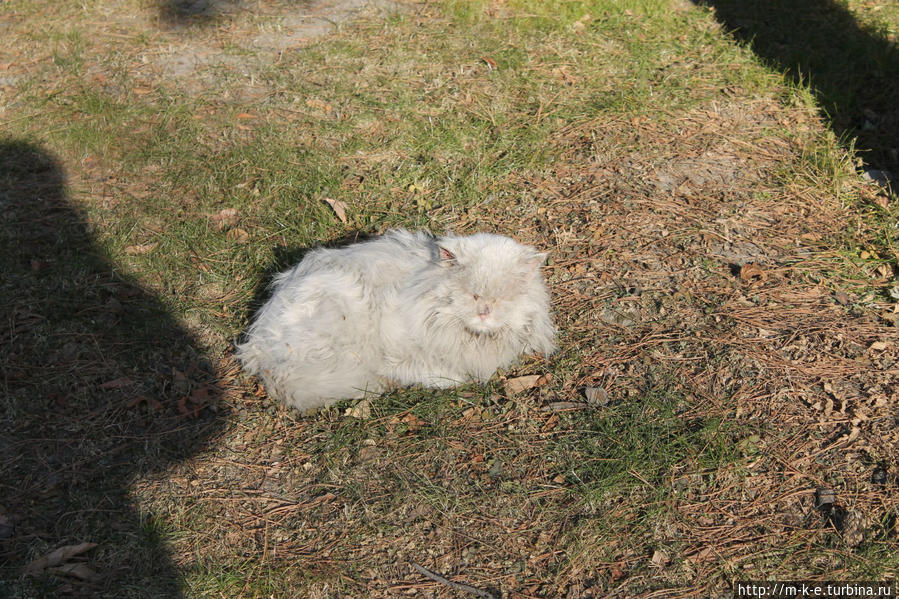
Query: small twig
x,y
560,406
453,585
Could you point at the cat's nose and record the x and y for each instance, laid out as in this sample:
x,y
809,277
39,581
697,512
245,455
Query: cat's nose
x,y
484,311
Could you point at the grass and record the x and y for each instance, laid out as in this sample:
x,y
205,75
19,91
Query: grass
x,y
156,168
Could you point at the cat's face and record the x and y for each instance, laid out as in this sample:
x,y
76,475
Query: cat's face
x,y
490,280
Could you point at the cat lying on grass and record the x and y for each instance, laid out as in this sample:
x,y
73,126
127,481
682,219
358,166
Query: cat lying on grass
x,y
403,309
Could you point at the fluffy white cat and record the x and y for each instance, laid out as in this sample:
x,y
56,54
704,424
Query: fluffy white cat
x,y
403,309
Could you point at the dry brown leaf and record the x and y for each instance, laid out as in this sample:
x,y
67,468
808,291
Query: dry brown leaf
x,y
38,265
703,555
412,421
238,235
76,570
153,403
361,410
246,116
752,272
369,453
660,558
318,104
842,297
225,218
140,249
338,207
550,424
56,558
122,381
596,396
472,414
418,511
521,383
490,62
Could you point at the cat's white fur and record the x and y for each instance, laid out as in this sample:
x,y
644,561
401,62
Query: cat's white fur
x,y
403,309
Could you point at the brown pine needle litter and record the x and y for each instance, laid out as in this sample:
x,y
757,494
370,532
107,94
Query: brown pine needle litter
x,y
724,403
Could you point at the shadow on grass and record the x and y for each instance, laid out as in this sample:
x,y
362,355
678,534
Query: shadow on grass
x,y
98,385
286,257
177,13
852,69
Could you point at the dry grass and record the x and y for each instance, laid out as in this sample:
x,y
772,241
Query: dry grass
x,y
718,269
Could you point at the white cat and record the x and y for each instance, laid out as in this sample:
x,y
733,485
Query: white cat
x,y
403,309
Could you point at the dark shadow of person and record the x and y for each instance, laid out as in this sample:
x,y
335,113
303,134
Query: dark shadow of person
x,y
852,69
181,13
177,13
99,385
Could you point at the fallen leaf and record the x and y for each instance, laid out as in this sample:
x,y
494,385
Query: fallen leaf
x,y
367,454
417,512
842,297
315,103
824,496
153,403
551,423
76,570
56,558
879,345
361,410
122,381
353,181
238,235
703,555
225,218
339,208
752,272
38,265
413,422
190,406
246,116
472,414
491,64
144,248
596,396
521,383
660,558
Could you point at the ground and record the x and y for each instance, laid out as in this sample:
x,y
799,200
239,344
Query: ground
x,y
723,405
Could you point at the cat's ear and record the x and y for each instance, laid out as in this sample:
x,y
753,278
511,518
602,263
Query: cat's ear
x,y
447,258
536,259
